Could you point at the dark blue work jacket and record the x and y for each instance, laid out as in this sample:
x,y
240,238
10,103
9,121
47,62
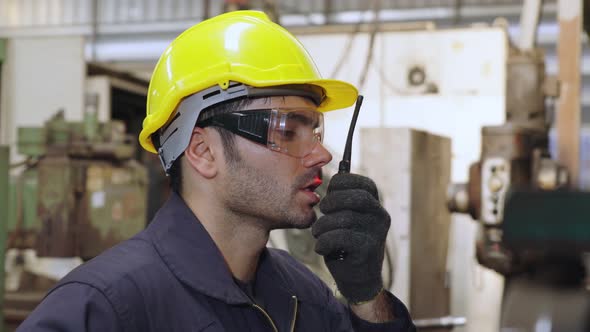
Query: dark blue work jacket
x,y
172,277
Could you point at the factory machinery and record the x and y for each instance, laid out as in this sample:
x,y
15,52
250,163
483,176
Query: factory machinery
x,y
533,228
80,192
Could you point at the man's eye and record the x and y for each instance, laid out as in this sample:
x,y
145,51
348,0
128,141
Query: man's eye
x,y
288,134
317,137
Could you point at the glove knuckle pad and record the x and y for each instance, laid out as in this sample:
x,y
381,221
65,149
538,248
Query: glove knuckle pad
x,y
352,181
331,241
344,219
350,199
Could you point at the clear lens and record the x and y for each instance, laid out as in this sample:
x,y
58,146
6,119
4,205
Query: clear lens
x,y
295,132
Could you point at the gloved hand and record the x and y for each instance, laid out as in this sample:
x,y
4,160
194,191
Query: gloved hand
x,y
351,236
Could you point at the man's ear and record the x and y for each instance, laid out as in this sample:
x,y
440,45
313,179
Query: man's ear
x,y
199,153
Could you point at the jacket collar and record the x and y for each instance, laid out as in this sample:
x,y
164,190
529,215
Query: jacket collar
x,y
190,253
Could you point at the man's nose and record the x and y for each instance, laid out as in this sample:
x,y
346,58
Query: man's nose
x,y
318,157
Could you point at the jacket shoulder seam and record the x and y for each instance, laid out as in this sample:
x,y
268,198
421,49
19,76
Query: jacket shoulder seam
x,y
119,313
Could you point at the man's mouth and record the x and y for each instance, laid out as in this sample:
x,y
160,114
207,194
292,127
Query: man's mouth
x,y
313,185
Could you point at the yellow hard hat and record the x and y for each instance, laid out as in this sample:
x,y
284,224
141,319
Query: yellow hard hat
x,y
239,46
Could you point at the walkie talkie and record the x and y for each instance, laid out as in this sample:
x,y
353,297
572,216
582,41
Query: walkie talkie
x,y
344,166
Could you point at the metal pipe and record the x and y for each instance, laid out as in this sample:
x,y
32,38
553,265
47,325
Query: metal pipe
x,y
4,192
432,323
529,22
568,108
457,16
361,28
327,10
206,9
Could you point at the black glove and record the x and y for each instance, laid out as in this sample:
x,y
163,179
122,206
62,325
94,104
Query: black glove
x,y
351,236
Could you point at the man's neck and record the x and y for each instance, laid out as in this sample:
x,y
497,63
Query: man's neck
x,y
240,241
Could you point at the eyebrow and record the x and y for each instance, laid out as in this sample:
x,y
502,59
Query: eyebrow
x,y
306,120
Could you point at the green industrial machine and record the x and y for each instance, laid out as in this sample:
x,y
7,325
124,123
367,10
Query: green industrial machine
x,y
79,193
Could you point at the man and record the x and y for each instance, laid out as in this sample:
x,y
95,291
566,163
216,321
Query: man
x,y
235,113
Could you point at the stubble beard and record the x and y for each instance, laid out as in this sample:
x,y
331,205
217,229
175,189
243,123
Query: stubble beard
x,y
256,195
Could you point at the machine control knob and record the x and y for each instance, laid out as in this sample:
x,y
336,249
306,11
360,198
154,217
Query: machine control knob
x,y
495,184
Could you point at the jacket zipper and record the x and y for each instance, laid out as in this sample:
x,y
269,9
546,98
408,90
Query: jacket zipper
x,y
274,327
294,314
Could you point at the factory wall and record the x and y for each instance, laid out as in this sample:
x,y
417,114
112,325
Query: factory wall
x,y
40,76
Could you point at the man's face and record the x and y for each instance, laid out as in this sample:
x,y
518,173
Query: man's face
x,y
271,187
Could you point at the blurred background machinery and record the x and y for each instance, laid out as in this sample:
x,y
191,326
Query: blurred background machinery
x,y
533,219
513,155
80,191
429,65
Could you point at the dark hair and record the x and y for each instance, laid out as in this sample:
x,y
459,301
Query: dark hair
x,y
227,139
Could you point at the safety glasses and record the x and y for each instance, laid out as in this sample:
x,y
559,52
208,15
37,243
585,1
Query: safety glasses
x,y
294,132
